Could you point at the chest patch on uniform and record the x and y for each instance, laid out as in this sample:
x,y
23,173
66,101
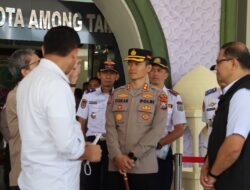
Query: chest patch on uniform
x,y
122,95
83,103
92,102
210,109
212,104
118,117
163,105
180,106
163,98
119,106
121,100
93,115
146,108
170,105
147,95
145,116
146,101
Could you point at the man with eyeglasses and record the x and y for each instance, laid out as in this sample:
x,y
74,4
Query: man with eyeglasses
x,y
227,162
21,63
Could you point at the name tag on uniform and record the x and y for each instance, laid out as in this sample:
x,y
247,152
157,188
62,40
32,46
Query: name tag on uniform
x,y
92,102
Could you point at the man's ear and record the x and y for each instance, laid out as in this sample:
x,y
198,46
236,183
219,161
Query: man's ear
x,y
24,72
43,51
74,54
149,67
98,74
117,77
235,63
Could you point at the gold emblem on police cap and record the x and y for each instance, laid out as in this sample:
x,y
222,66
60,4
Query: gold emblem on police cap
x,y
133,52
157,60
93,115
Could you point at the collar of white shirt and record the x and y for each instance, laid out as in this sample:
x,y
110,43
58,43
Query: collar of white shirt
x,y
54,67
229,86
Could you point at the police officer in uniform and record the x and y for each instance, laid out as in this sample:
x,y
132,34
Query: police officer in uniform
x,y
174,127
209,107
136,118
92,110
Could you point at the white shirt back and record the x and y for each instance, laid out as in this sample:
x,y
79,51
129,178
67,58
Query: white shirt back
x,y
51,137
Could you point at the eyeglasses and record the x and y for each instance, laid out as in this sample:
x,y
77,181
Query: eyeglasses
x,y
35,62
222,60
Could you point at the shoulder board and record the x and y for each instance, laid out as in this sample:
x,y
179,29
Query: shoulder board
x,y
210,91
90,90
119,88
173,92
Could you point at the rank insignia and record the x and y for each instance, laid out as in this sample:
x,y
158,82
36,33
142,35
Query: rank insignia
x,y
93,115
147,95
122,95
145,116
83,103
119,107
145,86
92,102
146,108
180,106
118,117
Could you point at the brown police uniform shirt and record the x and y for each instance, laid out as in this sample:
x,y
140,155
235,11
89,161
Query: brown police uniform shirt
x,y
15,140
135,122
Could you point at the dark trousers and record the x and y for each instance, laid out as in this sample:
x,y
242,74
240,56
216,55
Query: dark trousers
x,y
98,178
6,166
14,188
136,181
165,173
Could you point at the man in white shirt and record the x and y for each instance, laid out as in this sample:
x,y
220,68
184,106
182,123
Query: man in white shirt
x,y
227,163
176,120
52,142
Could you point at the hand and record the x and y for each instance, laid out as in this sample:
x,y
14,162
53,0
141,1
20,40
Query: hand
x,y
124,163
74,73
92,153
206,181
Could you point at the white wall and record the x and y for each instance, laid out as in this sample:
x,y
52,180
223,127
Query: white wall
x,y
192,29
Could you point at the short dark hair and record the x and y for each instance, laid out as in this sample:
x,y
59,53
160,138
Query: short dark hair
x,y
239,51
61,40
96,79
19,60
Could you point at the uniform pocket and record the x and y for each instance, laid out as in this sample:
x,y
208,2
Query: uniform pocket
x,y
120,112
145,114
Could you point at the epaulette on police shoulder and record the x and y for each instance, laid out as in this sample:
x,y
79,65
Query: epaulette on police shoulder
x,y
210,91
90,90
173,92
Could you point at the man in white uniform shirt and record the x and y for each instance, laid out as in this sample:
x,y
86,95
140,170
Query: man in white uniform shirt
x,y
52,142
92,110
175,122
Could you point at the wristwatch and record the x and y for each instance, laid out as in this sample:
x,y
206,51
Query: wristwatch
x,y
212,175
132,156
